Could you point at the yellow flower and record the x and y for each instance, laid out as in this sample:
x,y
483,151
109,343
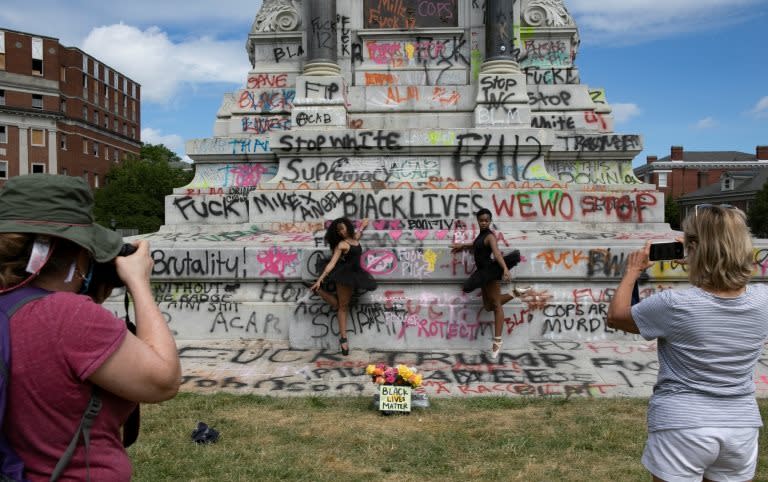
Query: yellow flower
x,y
416,380
369,369
404,371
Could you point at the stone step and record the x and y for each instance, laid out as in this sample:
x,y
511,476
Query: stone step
x,y
396,316
507,205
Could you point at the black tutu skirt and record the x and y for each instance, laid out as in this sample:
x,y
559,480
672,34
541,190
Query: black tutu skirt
x,y
357,278
490,272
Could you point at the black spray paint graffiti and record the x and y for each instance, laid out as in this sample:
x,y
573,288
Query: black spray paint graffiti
x,y
358,140
199,264
226,207
501,150
601,143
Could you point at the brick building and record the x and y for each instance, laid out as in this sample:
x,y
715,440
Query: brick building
x,y
684,172
62,111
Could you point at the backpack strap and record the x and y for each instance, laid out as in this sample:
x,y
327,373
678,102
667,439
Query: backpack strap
x,y
84,429
10,303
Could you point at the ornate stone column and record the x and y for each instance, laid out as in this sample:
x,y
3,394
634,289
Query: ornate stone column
x,y
502,96
499,37
321,91
321,38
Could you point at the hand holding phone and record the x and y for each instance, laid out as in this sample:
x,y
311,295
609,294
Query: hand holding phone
x,y
666,251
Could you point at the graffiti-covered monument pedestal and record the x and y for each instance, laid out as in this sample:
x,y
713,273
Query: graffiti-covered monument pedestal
x,y
414,114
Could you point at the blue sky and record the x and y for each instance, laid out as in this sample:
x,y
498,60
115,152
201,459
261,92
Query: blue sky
x,y
678,72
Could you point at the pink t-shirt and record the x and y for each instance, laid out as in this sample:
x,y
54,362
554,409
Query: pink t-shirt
x,y
57,342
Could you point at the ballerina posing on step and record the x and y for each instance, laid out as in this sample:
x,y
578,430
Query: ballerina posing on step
x,y
345,271
490,268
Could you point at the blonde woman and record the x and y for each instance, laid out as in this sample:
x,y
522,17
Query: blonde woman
x,y
703,419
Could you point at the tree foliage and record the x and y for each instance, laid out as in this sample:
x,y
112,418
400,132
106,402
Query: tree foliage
x,y
134,194
672,214
757,217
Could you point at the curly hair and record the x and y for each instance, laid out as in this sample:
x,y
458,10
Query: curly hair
x,y
14,255
15,249
332,237
719,247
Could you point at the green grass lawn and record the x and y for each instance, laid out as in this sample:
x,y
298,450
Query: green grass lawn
x,y
330,439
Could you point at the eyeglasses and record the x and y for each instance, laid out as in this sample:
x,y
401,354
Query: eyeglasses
x,y
709,206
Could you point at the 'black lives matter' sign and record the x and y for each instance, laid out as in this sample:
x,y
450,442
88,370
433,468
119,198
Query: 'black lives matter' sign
x,y
410,14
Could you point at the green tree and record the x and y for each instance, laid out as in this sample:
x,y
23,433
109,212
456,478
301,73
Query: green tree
x,y
672,213
757,217
134,194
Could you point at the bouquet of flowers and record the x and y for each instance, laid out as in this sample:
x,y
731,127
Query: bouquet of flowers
x,y
402,375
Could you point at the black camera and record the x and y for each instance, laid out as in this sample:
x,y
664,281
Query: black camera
x,y
106,273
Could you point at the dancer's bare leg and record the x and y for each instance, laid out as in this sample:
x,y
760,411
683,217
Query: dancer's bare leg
x,y
344,294
329,298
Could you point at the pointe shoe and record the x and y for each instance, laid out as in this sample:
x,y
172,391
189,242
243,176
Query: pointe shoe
x,y
344,345
496,347
519,291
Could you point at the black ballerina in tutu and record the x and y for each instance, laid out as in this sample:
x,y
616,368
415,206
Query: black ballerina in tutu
x,y
490,268
345,271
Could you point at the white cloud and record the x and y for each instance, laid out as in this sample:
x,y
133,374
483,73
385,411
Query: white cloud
x,y
708,122
761,108
624,112
160,65
173,142
71,21
639,20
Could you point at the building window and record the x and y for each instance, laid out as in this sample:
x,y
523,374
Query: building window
x,y
117,155
3,134
133,133
727,184
85,114
115,81
85,87
2,96
85,146
64,171
3,169
95,91
64,106
95,180
63,141
2,50
662,179
125,129
133,111
116,124
37,101
96,149
63,74
106,153
96,70
85,176
106,121
96,117
38,168
37,137
37,56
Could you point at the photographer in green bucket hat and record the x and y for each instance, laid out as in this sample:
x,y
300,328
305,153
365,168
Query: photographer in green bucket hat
x,y
63,343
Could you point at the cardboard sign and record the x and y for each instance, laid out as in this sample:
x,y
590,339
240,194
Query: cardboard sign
x,y
394,398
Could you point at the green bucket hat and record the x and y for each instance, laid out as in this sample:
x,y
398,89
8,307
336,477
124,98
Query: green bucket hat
x,y
60,206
